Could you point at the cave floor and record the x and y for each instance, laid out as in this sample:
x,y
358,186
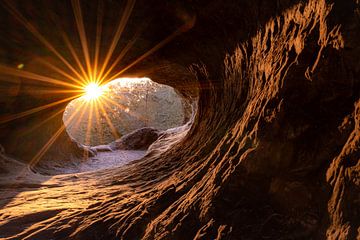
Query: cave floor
x,y
106,160
28,199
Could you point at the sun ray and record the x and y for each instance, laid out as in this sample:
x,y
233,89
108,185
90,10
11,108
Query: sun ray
x,y
89,123
38,35
88,130
123,21
122,107
33,128
98,122
81,82
119,119
99,20
49,118
75,56
117,60
4,91
12,117
46,147
96,69
65,91
93,91
48,144
108,121
152,50
33,76
78,120
82,34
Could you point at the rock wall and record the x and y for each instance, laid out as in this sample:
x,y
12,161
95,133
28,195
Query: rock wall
x,y
273,151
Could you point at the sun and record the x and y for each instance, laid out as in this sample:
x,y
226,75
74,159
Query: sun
x,y
93,91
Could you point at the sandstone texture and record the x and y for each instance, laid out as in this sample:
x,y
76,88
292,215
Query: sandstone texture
x,y
271,151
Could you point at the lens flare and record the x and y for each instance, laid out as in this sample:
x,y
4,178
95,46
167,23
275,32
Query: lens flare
x,y
93,91
82,76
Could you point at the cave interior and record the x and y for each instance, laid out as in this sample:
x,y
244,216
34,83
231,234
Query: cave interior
x,y
269,141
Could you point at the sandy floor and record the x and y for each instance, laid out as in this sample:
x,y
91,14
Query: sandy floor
x,y
106,160
33,205
28,200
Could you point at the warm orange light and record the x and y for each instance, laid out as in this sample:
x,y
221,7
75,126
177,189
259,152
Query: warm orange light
x,y
93,91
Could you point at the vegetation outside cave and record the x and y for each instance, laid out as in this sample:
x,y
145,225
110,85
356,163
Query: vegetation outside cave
x,y
129,104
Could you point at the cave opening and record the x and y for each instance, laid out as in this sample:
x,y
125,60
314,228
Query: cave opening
x,y
271,152
123,118
108,112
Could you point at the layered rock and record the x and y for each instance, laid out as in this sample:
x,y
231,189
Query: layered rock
x,y
273,151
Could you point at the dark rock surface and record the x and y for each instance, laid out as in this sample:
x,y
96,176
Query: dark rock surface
x,y
273,152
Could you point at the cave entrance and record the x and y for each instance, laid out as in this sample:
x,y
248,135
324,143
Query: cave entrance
x,y
121,107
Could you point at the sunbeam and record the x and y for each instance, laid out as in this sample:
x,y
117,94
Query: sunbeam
x,y
46,147
81,76
12,117
33,76
82,35
98,123
49,143
38,35
89,128
123,21
81,82
99,20
75,56
79,118
153,49
117,60
38,125
107,101
93,91
108,121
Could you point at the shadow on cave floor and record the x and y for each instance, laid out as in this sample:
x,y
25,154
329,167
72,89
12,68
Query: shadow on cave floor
x,y
33,198
27,196
22,183
29,200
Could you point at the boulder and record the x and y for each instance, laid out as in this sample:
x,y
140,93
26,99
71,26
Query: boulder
x,y
139,139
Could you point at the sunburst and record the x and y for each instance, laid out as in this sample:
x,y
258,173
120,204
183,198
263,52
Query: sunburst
x,y
88,76
93,91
